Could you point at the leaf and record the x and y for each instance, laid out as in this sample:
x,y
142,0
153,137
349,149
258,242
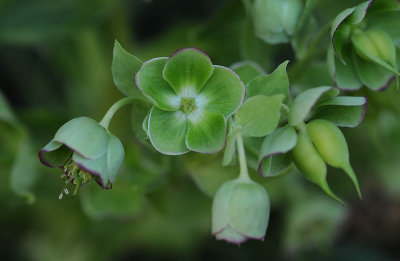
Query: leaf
x,y
342,111
275,83
372,75
247,70
124,67
259,115
306,100
273,159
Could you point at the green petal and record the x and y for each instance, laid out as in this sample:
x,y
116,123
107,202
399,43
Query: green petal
x,y
340,32
54,154
220,219
248,210
206,131
387,22
167,131
187,70
223,93
83,135
115,157
149,80
247,70
371,74
305,101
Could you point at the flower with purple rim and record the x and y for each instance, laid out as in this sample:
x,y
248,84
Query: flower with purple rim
x,y
191,101
85,151
240,211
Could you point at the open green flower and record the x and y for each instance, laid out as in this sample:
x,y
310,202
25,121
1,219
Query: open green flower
x,y
86,151
192,99
364,40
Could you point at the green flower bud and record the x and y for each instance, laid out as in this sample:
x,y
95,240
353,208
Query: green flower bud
x,y
86,151
310,163
375,46
332,146
276,20
240,211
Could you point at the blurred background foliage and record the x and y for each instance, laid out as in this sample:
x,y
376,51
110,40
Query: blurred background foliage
x,y
55,64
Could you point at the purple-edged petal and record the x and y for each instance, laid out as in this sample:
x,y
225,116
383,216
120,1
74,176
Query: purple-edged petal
x,y
223,93
105,167
230,235
206,131
84,136
150,81
54,154
167,131
187,70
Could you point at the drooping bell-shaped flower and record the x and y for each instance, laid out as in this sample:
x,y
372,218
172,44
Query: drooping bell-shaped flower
x,y
85,151
192,99
240,211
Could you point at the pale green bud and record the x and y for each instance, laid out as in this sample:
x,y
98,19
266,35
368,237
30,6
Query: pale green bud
x,y
240,211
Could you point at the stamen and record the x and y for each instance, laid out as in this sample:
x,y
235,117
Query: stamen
x,y
66,191
60,196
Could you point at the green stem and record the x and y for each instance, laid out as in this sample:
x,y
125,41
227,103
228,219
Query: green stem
x,y
244,173
114,108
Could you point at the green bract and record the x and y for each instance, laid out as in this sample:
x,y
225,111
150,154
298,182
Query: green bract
x,y
240,211
192,99
364,41
83,149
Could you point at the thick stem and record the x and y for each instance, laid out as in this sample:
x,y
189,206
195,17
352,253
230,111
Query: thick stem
x,y
114,108
244,173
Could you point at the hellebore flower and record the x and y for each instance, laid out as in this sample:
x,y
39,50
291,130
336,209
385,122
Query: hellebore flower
x,y
275,21
85,151
192,99
240,211
364,42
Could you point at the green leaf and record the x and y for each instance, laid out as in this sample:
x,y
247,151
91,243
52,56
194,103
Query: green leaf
x,y
340,32
247,70
124,67
167,131
306,100
275,83
291,15
149,79
345,75
6,114
273,157
342,111
83,135
223,93
230,148
24,171
371,74
206,131
187,70
259,115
